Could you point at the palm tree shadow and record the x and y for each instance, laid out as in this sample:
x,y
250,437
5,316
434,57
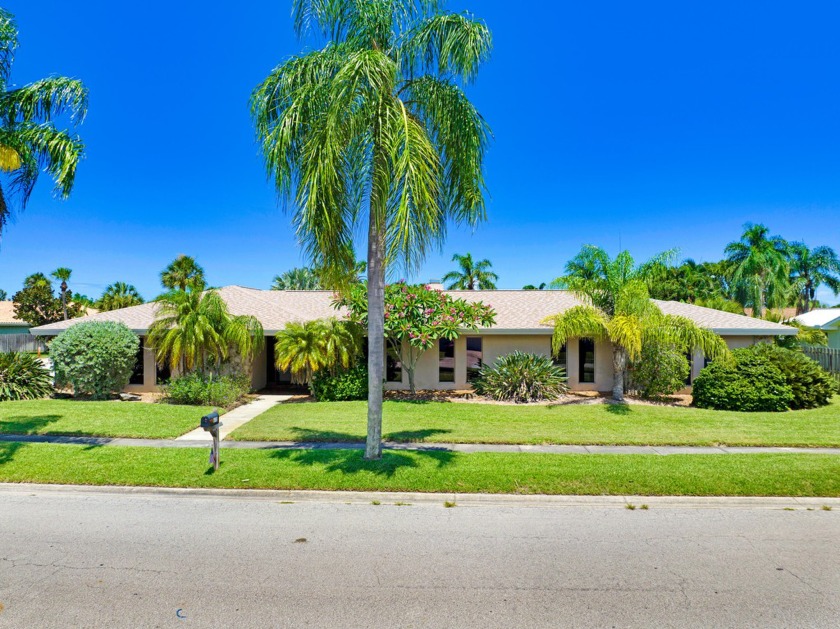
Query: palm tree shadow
x,y
8,450
308,435
619,408
353,461
28,424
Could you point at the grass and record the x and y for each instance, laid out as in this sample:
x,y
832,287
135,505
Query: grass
x,y
569,424
105,419
434,471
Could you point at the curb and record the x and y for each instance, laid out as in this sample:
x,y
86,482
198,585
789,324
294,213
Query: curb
x,y
416,498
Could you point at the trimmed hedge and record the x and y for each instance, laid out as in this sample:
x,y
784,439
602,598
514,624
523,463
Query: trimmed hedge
x,y
747,382
95,358
811,385
341,387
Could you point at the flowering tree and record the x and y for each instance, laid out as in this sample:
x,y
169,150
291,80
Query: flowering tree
x,y
416,317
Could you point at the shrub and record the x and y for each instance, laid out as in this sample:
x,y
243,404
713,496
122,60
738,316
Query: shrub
x,y
521,377
661,370
747,382
95,358
343,386
812,386
23,377
206,390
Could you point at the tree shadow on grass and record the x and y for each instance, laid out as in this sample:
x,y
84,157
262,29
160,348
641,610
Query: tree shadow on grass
x,y
353,461
619,408
27,424
8,450
308,435
405,436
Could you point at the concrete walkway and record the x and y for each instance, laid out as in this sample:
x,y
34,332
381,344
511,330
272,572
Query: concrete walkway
x,y
236,418
184,442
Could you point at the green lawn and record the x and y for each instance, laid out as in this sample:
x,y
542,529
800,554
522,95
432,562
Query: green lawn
x,y
105,419
697,475
571,424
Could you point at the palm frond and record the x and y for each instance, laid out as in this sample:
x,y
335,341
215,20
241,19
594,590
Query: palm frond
x,y
577,322
43,100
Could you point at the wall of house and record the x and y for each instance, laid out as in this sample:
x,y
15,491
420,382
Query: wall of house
x,y
259,371
149,372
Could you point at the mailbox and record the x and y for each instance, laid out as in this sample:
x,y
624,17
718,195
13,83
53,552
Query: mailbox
x,y
210,421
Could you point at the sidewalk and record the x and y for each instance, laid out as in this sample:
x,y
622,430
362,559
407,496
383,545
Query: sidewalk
x,y
238,416
186,441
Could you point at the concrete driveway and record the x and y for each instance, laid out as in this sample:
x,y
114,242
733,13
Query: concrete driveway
x,y
129,560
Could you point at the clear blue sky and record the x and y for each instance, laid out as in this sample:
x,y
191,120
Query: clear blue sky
x,y
649,124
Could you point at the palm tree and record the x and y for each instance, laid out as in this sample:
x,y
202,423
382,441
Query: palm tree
x,y
118,295
297,279
29,140
63,273
471,275
305,348
759,269
194,330
375,128
36,279
811,268
182,273
618,308
542,286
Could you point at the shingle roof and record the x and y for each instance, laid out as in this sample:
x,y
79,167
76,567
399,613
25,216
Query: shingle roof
x,y
7,314
517,311
819,318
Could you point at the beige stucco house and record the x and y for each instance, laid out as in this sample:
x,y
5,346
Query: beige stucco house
x,y
519,314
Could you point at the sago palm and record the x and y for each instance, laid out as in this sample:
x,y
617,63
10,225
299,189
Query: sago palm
x,y
471,275
183,273
193,330
375,129
30,141
118,295
810,269
759,269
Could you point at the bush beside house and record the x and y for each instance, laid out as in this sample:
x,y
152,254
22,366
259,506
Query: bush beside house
x,y
95,358
342,386
521,377
206,389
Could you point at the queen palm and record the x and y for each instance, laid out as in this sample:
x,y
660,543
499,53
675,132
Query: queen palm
x,y
182,273
30,141
810,269
471,275
118,295
375,128
617,307
193,330
759,269
63,274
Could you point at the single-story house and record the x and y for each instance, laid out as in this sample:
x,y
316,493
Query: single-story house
x,y
825,319
519,316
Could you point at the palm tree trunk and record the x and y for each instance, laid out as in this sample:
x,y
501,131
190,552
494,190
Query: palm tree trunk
x,y
619,364
376,336
64,299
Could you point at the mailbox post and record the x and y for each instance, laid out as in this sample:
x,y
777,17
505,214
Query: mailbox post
x,y
211,424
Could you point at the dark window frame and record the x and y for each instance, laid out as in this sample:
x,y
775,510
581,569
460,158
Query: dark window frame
x,y
450,345
582,371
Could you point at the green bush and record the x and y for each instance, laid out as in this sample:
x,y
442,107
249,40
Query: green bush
x,y
206,390
23,377
341,387
95,358
812,386
521,377
661,370
747,382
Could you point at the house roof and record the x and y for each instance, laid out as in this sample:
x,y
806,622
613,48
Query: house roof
x,y
517,311
821,318
7,315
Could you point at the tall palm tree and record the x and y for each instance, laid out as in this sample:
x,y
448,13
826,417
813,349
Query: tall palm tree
x,y
305,348
302,278
375,128
759,269
471,275
118,295
30,143
193,330
811,268
618,308
183,273
63,273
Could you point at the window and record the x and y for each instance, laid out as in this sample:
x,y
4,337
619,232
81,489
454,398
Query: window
x,y
586,359
393,366
475,356
689,356
560,358
137,374
446,360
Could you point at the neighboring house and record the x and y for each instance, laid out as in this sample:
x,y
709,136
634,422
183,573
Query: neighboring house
x,y
825,319
9,323
519,316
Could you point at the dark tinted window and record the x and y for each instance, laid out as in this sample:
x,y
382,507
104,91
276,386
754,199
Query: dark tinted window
x,y
446,360
586,356
475,356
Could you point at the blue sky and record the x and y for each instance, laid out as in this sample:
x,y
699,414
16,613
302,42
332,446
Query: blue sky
x,y
649,124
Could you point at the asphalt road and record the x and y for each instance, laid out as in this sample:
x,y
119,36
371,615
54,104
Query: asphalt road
x,y
112,560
